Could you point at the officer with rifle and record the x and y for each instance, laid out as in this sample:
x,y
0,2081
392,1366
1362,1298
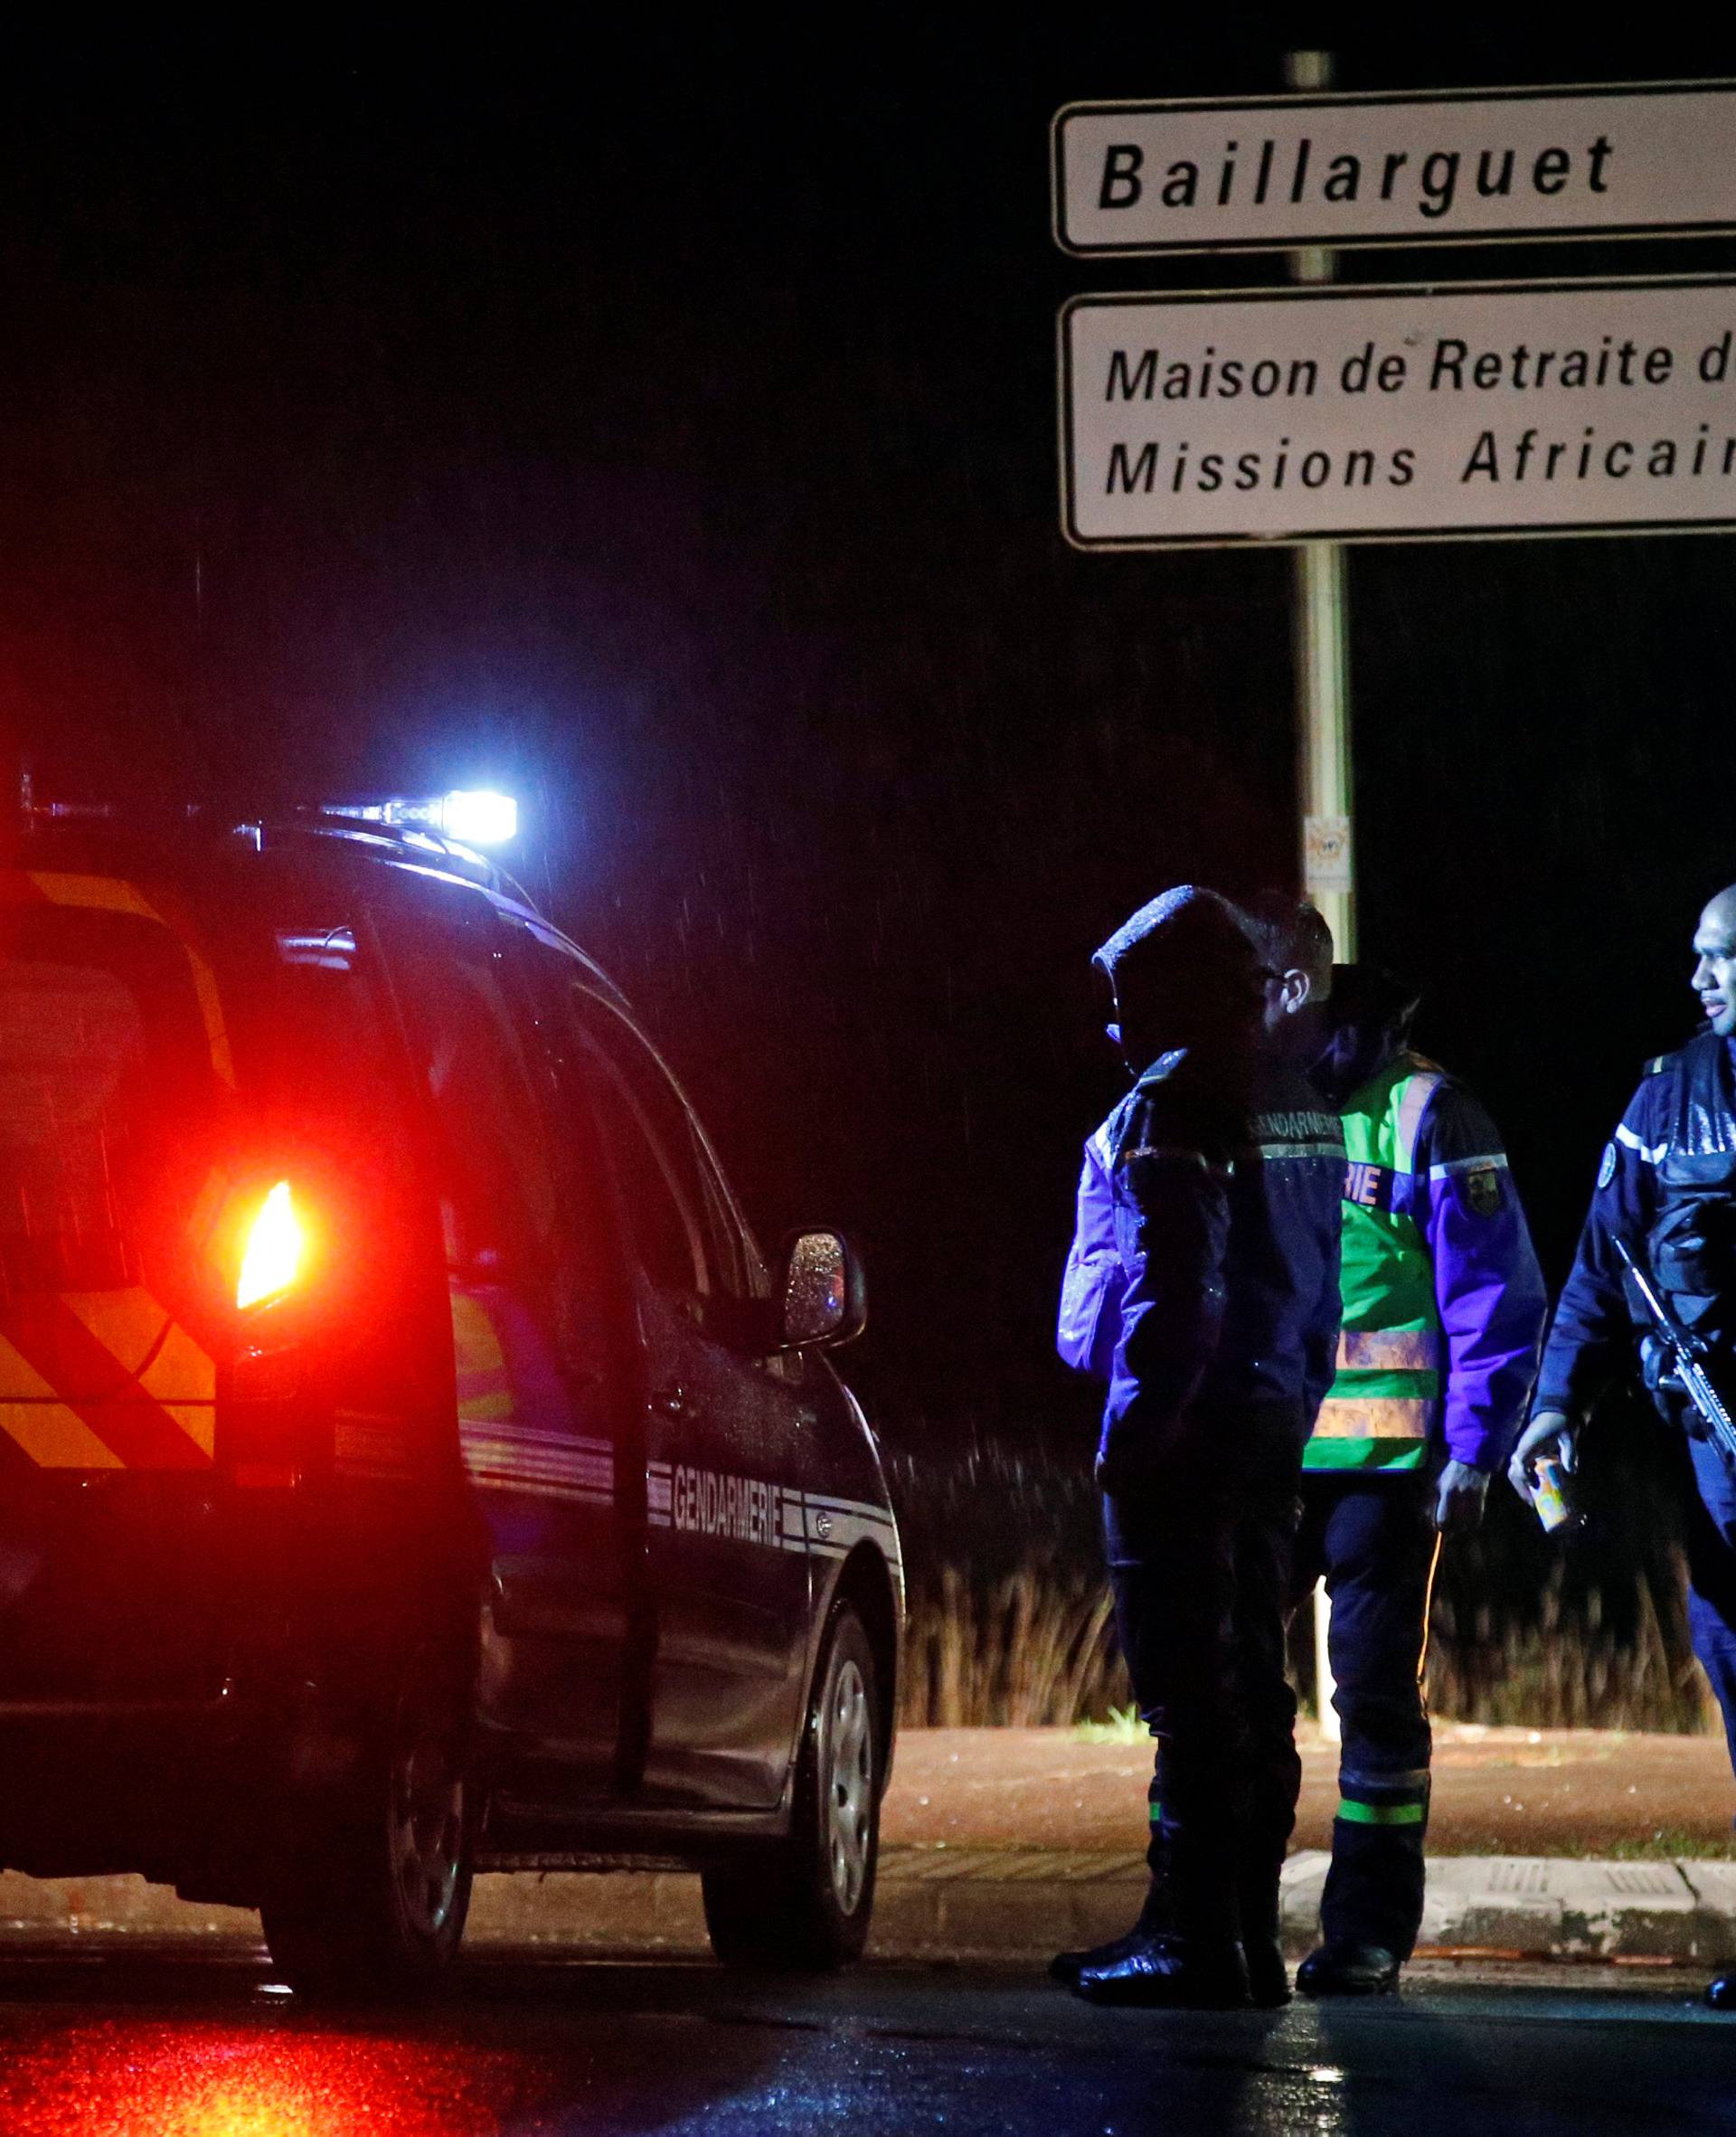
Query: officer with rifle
x,y
1658,1253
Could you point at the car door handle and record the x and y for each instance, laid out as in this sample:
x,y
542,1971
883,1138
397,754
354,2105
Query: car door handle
x,y
669,1402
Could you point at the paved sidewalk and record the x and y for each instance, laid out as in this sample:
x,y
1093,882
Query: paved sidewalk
x,y
1011,1843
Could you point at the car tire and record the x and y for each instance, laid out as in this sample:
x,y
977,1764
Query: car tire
x,y
803,1905
372,1897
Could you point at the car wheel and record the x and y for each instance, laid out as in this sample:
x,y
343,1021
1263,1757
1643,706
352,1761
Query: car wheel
x,y
373,1898
804,1903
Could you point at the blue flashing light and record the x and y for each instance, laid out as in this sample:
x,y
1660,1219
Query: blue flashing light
x,y
473,815
479,817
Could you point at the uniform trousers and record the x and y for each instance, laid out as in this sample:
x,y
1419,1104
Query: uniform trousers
x,y
1712,1576
1202,1580
1373,1539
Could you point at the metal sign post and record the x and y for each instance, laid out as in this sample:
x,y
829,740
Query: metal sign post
x,y
1320,632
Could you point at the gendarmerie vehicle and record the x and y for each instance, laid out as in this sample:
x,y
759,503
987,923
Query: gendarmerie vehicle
x,y
408,1463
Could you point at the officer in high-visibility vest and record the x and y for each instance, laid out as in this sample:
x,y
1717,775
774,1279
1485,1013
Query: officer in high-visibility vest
x,y
1444,1313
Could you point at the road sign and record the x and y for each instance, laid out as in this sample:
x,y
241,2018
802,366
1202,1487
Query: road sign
x,y
1440,168
1345,413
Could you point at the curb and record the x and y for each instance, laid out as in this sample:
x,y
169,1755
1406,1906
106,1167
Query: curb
x,y
1023,1904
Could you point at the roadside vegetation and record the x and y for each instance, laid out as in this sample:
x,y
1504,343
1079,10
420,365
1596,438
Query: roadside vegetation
x,y
1010,1623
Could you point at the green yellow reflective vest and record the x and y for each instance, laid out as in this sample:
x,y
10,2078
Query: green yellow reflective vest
x,y
1381,1405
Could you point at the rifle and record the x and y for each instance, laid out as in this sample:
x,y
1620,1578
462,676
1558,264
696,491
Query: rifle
x,y
1686,1353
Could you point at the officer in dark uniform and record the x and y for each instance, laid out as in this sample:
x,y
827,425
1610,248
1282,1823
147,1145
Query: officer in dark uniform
x,y
1666,1184
1209,1216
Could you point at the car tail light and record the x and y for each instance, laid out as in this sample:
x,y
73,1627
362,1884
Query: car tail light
x,y
276,1245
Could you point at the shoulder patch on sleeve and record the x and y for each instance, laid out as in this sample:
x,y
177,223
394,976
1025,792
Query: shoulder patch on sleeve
x,y
1655,1065
1483,1190
1606,1166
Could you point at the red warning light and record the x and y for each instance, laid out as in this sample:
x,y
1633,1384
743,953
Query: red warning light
x,y
276,1244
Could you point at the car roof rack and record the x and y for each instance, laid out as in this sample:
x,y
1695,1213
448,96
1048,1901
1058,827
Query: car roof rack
x,y
403,842
412,842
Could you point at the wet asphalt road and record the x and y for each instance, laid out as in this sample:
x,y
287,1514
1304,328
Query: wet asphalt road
x,y
166,2047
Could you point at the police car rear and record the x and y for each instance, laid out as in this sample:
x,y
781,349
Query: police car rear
x,y
386,1486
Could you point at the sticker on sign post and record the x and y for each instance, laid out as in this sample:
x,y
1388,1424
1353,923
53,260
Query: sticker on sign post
x,y
1325,853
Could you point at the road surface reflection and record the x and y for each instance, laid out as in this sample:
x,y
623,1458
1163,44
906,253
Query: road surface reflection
x,y
184,2077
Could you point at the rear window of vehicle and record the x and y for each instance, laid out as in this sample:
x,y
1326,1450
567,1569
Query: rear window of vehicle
x,y
109,1095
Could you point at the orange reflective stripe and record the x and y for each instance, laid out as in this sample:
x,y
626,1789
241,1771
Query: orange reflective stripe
x,y
170,1368
82,1372
1389,1350
53,1435
181,1373
129,1323
107,894
198,1420
147,1342
1378,1417
484,1387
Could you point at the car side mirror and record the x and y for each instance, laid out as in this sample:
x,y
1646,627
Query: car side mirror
x,y
825,1297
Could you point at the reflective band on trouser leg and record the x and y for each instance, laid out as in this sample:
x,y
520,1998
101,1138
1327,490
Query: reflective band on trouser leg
x,y
1380,1813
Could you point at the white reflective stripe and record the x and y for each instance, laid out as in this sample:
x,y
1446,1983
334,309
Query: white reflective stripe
x,y
1175,1152
1647,1153
862,1511
1320,1149
528,1488
842,1531
1417,1091
506,1457
1492,1161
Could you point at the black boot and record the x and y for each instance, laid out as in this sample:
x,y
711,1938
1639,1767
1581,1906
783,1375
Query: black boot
x,y
1269,1978
1186,1953
1347,1968
1173,1972
1067,1966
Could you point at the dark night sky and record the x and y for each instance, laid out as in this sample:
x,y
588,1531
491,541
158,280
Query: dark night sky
x,y
664,423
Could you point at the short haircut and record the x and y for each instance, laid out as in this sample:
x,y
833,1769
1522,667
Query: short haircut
x,y
1291,935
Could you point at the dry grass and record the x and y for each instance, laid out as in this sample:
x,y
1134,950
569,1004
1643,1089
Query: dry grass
x,y
1031,1648
1010,1626
1565,1668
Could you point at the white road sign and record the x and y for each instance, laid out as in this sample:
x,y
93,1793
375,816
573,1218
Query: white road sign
x,y
1329,411
1448,167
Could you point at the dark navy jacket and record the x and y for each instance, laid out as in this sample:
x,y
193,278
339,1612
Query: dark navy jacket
x,y
1675,1145
1221,1220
